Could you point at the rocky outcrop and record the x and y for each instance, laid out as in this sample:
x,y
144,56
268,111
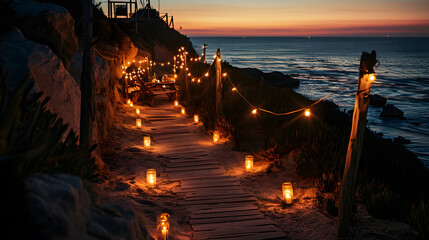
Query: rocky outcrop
x,y
277,79
390,111
377,100
59,207
23,57
48,24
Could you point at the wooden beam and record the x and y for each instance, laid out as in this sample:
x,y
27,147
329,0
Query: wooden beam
x,y
366,79
218,84
87,80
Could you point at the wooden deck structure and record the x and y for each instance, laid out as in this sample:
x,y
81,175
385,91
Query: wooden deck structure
x,y
220,208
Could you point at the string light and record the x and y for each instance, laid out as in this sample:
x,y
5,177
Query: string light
x,y
307,112
254,111
224,74
234,89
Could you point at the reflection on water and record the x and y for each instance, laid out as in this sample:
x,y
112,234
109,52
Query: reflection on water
x,y
326,65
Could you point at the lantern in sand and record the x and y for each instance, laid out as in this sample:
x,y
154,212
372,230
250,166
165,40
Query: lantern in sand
x,y
138,122
131,104
163,226
146,141
287,192
151,177
176,103
215,136
138,110
183,111
249,163
196,119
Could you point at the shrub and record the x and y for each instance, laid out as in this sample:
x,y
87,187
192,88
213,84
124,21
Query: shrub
x,y
419,219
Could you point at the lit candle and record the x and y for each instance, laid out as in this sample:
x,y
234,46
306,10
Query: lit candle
x,y
287,192
138,122
146,141
138,110
249,163
176,103
215,136
128,101
196,118
183,110
164,232
131,104
163,226
151,177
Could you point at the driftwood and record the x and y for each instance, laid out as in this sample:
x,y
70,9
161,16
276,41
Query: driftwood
x,y
366,79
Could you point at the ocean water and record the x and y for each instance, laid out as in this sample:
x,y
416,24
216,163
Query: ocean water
x,y
330,65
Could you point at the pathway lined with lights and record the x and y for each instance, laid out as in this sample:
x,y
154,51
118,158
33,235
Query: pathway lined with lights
x,y
220,208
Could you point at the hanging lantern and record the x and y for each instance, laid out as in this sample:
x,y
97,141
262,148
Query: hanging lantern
x,y
151,177
176,103
196,120
138,110
215,136
138,122
307,112
287,192
163,226
249,163
146,141
183,111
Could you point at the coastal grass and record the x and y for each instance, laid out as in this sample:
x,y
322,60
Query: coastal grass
x,y
392,182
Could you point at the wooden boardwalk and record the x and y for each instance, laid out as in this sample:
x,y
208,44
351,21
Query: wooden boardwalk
x,y
220,208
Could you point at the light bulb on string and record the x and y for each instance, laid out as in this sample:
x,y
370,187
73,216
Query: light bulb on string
x,y
307,112
234,89
254,111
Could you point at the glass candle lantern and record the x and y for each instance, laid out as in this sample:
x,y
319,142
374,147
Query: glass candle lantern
x,y
163,226
146,141
138,110
249,163
151,177
287,192
131,104
216,136
139,122
176,103
183,110
196,119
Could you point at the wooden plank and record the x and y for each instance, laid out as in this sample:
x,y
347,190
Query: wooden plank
x,y
217,201
203,190
210,185
253,236
228,209
191,168
225,214
226,219
217,197
195,208
214,192
174,164
244,224
225,231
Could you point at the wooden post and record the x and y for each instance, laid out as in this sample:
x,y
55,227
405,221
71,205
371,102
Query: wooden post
x,y
204,53
186,73
86,82
218,84
126,79
366,79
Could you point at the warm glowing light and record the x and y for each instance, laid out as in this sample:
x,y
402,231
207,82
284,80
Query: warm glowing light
x,y
139,122
128,101
372,77
207,74
134,60
199,80
163,226
151,177
254,111
218,60
287,192
183,111
196,120
138,110
307,112
224,74
176,103
193,79
163,86
234,89
249,163
146,141
175,75
131,104
189,74
215,136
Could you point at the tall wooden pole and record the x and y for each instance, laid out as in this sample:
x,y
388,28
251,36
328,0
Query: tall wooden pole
x,y
366,79
186,74
86,82
204,52
218,84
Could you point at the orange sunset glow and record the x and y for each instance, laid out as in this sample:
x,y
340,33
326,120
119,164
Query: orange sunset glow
x,y
299,18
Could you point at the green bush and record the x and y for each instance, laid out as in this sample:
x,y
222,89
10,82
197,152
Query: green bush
x,y
419,219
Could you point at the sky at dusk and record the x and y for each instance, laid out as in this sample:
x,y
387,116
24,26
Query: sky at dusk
x,y
396,18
